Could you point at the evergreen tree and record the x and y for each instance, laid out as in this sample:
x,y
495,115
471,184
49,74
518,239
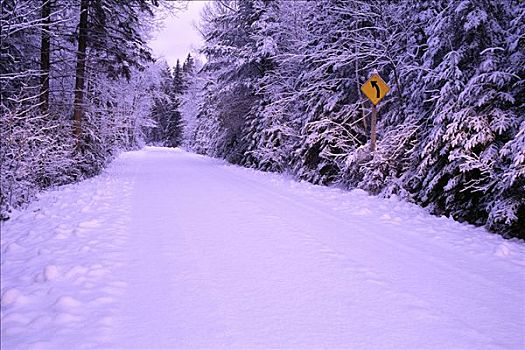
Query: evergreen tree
x,y
165,110
110,30
474,113
41,88
178,80
281,92
189,65
174,127
191,98
228,30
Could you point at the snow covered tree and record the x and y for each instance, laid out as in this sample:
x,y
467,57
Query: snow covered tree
x,y
265,133
165,109
473,110
188,67
39,55
281,92
339,53
178,80
35,148
191,98
228,29
110,30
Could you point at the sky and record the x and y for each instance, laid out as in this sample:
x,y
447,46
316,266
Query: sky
x,y
178,36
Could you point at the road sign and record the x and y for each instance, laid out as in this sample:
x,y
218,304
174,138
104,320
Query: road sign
x,y
375,89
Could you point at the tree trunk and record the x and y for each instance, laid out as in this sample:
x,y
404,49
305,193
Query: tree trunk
x,y
44,56
80,69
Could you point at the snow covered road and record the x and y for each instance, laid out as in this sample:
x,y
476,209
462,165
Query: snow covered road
x,y
167,249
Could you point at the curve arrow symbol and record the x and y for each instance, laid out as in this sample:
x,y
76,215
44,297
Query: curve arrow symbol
x,y
374,85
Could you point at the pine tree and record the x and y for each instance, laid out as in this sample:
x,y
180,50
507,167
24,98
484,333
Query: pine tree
x,y
165,110
189,65
191,99
333,124
39,52
282,93
178,80
45,52
470,115
110,30
229,45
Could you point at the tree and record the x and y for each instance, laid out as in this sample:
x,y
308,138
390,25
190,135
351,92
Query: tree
x,y
178,80
191,98
81,67
44,44
281,91
45,51
115,44
165,109
189,65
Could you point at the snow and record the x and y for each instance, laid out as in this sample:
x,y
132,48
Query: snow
x,y
167,249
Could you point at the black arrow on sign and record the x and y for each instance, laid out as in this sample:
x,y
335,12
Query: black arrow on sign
x,y
374,85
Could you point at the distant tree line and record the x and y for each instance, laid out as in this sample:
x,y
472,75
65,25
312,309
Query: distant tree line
x,y
280,91
77,85
168,130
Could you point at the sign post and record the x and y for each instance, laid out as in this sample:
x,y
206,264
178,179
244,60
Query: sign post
x,y
375,89
373,123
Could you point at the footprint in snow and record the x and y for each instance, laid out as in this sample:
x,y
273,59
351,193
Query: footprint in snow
x,y
13,296
89,224
40,321
67,318
17,318
363,212
76,271
98,272
50,273
79,233
102,300
386,217
67,302
503,250
63,231
85,249
61,236
13,248
39,216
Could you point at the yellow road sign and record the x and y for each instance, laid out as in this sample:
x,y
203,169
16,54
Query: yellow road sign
x,y
375,89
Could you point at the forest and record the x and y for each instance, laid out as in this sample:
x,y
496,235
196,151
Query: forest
x,y
279,91
78,86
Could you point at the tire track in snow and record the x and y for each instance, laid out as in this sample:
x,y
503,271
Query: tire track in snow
x,y
384,228
416,259
275,268
168,249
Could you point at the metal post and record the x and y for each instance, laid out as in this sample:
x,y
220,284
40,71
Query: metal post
x,y
373,123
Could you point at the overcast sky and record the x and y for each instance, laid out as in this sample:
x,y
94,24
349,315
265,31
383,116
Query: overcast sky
x,y
178,37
